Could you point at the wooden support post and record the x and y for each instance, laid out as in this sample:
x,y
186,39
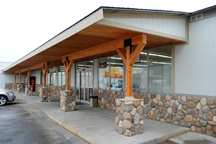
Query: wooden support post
x,y
15,78
129,59
44,69
29,73
20,77
67,64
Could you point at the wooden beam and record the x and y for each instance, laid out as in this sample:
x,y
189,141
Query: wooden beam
x,y
37,66
105,47
29,73
20,73
122,55
129,59
129,74
68,64
44,69
15,78
136,53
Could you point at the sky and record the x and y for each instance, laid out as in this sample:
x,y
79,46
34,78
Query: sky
x,y
27,24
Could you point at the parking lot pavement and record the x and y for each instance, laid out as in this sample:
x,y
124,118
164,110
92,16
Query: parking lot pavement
x,y
22,123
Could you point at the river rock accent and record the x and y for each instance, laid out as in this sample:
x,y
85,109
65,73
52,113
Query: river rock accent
x,y
67,101
14,87
44,94
20,88
129,116
9,86
28,90
176,110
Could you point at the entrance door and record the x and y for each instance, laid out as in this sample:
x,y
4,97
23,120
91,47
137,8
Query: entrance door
x,y
32,82
84,81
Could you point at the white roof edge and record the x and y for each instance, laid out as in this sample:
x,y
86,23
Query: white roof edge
x,y
137,29
77,27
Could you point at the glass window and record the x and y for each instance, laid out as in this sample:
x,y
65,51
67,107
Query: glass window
x,y
160,69
140,73
90,79
59,79
104,73
116,75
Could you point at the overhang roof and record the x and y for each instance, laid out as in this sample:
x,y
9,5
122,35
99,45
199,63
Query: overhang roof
x,y
85,34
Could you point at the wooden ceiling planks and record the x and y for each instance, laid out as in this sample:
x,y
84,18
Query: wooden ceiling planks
x,y
88,37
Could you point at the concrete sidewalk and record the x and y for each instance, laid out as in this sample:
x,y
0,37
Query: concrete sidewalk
x,y
97,125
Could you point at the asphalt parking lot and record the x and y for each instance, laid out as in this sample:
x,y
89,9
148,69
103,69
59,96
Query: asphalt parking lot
x,y
21,123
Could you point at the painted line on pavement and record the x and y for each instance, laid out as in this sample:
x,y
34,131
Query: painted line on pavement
x,y
18,113
76,132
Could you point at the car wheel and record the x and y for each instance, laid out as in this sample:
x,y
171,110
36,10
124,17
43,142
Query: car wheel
x,y
3,100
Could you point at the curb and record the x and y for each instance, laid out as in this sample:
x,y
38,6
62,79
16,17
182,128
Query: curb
x,y
76,132
162,139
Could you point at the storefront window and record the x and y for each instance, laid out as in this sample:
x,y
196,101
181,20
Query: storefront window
x,y
104,73
152,72
116,65
160,68
140,73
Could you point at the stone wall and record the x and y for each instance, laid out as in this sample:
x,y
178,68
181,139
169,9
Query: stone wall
x,y
54,90
14,87
129,116
199,114
44,94
9,86
20,88
106,99
37,87
28,90
67,101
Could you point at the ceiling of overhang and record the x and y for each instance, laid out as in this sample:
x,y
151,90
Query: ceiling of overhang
x,y
88,37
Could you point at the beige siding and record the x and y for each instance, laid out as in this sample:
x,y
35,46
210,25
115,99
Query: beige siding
x,y
195,63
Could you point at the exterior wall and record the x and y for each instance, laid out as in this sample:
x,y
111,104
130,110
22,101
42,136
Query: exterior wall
x,y
8,78
37,74
172,25
199,114
195,62
95,73
72,76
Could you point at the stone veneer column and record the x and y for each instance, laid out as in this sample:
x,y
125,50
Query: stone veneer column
x,y
14,87
129,116
28,90
20,88
67,101
44,95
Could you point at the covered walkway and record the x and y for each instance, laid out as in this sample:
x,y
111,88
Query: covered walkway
x,y
96,125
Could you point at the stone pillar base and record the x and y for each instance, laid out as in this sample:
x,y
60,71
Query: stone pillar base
x,y
20,88
14,87
44,94
28,90
129,116
67,101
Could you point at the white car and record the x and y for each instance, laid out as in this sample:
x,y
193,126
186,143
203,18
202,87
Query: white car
x,y
6,96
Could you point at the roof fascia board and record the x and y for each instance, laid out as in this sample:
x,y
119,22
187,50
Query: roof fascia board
x,y
147,15
137,29
91,19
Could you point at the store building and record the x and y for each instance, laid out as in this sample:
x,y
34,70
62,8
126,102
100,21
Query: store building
x,y
164,58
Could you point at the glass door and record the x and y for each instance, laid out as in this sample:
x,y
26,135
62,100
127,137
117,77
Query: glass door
x,y
84,80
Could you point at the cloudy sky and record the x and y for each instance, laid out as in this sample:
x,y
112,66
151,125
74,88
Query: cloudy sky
x,y
26,24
